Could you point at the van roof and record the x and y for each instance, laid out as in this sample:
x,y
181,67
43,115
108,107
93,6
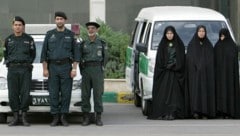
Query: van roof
x,y
171,13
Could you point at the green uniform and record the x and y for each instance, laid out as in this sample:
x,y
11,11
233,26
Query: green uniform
x,y
19,54
59,51
93,56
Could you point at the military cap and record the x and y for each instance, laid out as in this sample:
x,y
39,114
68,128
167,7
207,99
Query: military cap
x,y
60,14
92,24
18,18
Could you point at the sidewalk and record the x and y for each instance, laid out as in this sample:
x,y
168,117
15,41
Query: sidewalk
x,y
116,91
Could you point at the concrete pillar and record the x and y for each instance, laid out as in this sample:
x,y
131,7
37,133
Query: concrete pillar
x,y
235,14
97,10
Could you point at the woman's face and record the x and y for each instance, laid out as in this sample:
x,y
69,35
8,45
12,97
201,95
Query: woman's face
x,y
222,37
169,35
201,33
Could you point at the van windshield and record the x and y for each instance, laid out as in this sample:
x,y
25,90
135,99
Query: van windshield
x,y
38,45
186,30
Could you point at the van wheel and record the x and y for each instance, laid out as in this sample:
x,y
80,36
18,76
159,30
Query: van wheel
x,y
3,118
137,100
146,105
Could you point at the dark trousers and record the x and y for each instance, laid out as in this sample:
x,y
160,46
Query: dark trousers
x,y
19,85
92,78
60,87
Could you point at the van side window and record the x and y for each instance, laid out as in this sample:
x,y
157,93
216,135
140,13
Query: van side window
x,y
134,34
146,37
142,32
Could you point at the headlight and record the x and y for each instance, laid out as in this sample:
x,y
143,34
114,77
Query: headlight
x,y
3,83
76,84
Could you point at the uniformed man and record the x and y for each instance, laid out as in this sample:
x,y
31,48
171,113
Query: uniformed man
x,y
93,59
60,59
19,54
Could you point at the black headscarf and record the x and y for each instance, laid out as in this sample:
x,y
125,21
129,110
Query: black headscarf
x,y
162,53
168,77
200,90
227,75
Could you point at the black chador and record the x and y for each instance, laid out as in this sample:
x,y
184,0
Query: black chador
x,y
168,88
200,90
227,76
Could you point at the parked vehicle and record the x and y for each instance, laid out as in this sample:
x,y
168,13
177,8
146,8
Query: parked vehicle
x,y
150,24
39,88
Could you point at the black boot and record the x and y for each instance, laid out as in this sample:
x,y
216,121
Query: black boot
x,y
86,120
14,122
98,119
55,120
24,120
63,120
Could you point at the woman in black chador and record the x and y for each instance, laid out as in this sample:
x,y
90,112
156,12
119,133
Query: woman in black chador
x,y
167,101
200,84
227,76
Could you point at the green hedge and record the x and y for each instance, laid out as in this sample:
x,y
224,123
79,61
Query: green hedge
x,y
117,43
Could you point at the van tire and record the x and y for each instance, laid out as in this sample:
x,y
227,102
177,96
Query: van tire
x,y
3,118
146,105
137,100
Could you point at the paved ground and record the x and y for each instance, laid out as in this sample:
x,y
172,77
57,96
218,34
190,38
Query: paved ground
x,y
127,120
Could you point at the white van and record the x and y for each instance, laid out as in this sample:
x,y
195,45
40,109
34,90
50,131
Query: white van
x,y
39,88
150,24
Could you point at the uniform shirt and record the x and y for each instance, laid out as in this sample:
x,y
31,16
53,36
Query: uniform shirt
x,y
59,45
93,51
19,49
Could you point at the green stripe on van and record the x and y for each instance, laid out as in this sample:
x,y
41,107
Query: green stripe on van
x,y
143,64
128,56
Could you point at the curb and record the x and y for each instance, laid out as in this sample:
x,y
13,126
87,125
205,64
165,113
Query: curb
x,y
118,97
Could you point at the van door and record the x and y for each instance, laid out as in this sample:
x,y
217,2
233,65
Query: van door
x,y
131,54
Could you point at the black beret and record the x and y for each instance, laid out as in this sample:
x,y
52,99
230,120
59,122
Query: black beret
x,y
92,24
18,18
60,14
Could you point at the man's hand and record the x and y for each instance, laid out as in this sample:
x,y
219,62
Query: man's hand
x,y
45,73
73,73
45,69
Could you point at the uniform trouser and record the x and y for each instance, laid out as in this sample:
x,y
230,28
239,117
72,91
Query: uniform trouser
x,y
60,87
92,78
19,84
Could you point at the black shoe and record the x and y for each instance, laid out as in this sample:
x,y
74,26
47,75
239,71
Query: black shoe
x,y
15,120
86,120
24,120
195,116
55,120
98,120
165,117
63,120
171,117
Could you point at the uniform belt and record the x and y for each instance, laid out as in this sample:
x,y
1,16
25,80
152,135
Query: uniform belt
x,y
60,61
93,63
18,64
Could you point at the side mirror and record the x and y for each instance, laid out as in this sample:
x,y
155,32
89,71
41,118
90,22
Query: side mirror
x,y
141,47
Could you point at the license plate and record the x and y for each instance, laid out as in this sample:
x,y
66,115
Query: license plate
x,y
40,100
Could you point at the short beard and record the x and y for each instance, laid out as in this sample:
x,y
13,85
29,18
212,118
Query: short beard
x,y
60,26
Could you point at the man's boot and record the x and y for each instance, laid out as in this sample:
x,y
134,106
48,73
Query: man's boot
x,y
55,120
86,120
98,119
63,120
24,120
14,122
